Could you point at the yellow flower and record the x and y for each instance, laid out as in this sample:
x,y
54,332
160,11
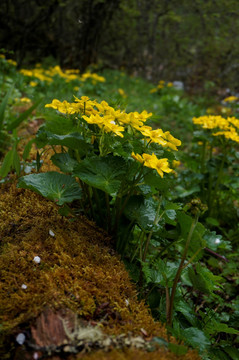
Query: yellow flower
x,y
230,99
154,90
170,84
151,161
54,104
122,93
76,88
12,62
94,119
25,100
156,136
176,163
172,142
33,83
137,157
145,130
160,165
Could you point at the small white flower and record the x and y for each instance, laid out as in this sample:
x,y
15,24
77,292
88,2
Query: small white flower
x,y
24,286
37,259
35,356
217,241
127,302
20,339
51,233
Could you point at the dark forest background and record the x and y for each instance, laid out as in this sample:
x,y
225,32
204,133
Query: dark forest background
x,y
195,41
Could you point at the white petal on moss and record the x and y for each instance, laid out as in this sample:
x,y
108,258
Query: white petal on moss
x,y
37,259
51,233
20,339
24,286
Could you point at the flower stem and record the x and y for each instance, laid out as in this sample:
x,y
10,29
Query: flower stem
x,y
180,268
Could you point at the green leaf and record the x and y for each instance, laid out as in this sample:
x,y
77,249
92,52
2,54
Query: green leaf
x,y
141,210
163,272
4,105
27,149
197,240
162,184
72,140
203,279
60,188
14,124
183,307
212,221
16,161
178,349
232,351
196,338
59,124
213,240
184,193
64,161
104,173
216,327
7,163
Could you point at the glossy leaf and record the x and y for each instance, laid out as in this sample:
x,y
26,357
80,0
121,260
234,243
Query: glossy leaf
x,y
72,140
104,173
54,186
64,161
196,338
141,210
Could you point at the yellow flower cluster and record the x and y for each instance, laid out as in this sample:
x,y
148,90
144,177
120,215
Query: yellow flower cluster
x,y
10,61
151,161
92,76
228,127
69,75
116,122
160,86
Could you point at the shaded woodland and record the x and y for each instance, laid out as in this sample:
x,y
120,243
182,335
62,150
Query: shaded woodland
x,y
195,42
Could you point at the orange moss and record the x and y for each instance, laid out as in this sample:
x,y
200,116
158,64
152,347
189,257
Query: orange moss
x,y
132,354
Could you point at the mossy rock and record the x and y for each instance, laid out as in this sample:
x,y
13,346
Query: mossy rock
x,y
79,278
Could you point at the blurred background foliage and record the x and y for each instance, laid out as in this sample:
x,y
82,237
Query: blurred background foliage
x,y
192,41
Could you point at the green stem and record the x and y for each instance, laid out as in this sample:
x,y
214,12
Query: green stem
x,y
108,212
210,181
218,183
203,158
97,200
180,268
137,246
90,201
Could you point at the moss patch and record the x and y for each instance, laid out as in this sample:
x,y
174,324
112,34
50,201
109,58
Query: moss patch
x,y
78,271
